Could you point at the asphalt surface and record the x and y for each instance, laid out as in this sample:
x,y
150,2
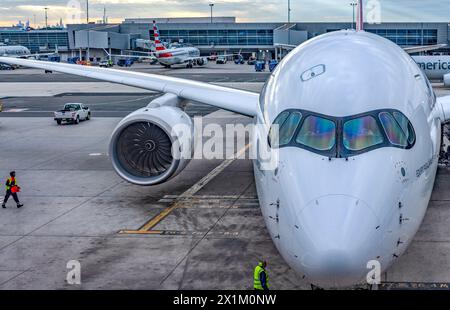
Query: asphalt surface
x,y
101,105
212,73
78,208
115,104
210,77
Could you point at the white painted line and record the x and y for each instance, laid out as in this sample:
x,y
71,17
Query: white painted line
x,y
15,110
95,154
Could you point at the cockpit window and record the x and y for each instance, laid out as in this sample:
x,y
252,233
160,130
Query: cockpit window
x,y
281,118
393,130
406,126
361,133
287,130
287,123
342,137
317,133
274,134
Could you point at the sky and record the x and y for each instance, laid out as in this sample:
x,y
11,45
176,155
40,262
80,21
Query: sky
x,y
11,11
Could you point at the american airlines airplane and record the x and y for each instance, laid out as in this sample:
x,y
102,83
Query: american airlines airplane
x,y
182,55
358,148
188,56
435,67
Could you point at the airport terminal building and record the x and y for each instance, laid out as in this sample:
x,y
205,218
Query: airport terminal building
x,y
219,35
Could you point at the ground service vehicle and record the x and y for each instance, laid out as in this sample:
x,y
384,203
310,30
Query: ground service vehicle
x,y
221,60
73,113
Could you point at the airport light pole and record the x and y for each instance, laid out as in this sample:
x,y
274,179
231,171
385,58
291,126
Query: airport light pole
x,y
211,5
88,31
353,4
46,18
289,12
289,21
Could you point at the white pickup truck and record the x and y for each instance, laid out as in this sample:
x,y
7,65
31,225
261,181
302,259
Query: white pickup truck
x,y
73,113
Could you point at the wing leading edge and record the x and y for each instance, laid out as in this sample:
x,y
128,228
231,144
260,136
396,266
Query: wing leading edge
x,y
425,48
238,101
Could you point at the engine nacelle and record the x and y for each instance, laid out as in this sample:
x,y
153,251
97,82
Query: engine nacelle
x,y
202,62
152,145
447,80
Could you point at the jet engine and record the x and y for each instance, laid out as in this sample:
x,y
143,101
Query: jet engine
x,y
152,145
202,62
447,80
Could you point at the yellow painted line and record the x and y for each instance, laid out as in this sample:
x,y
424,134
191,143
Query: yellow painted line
x,y
178,203
141,232
157,219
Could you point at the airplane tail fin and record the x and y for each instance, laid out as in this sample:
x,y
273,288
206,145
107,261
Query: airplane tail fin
x,y
360,21
159,45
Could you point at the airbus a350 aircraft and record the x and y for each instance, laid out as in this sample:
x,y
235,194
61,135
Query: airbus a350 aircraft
x,y
358,148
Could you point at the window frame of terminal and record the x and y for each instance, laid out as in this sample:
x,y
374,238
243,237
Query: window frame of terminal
x,y
339,150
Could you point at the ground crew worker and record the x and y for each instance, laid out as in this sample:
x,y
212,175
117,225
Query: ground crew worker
x,y
11,190
260,277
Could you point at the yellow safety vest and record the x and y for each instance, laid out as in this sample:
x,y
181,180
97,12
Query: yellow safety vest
x,y
9,180
256,281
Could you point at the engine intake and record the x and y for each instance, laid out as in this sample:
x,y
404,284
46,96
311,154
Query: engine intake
x,y
147,150
144,149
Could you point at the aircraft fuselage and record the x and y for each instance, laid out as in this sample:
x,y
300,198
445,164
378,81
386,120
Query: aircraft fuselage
x,y
435,67
178,56
344,194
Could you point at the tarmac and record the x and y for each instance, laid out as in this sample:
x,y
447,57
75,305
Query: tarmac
x,y
77,208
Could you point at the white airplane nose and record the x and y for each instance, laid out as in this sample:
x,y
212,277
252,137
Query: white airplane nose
x,y
341,235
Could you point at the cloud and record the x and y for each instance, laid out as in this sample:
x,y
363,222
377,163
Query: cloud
x,y
244,10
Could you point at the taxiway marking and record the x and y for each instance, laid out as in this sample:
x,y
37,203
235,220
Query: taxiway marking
x,y
15,110
179,202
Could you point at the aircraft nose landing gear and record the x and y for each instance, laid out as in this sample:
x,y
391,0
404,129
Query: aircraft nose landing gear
x,y
444,158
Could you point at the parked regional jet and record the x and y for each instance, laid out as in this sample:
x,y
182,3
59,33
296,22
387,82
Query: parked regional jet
x,y
18,51
359,140
14,51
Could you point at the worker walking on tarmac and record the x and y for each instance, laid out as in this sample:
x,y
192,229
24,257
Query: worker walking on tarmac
x,y
11,190
260,277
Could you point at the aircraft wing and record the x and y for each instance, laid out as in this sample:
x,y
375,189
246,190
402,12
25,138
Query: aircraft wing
x,y
146,56
238,101
28,56
44,54
286,46
426,48
195,58
133,56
